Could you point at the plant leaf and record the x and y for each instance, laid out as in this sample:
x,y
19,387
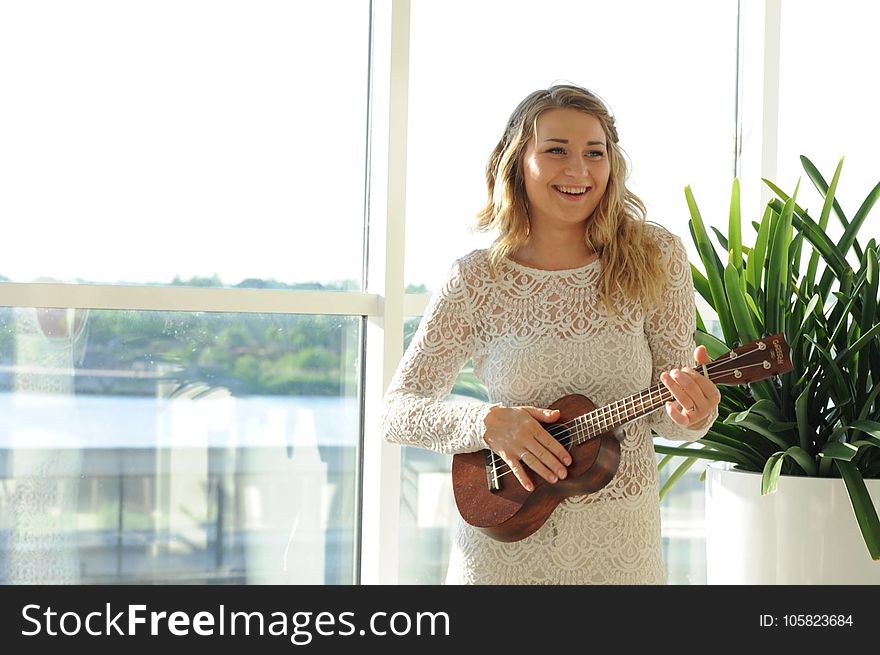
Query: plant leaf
x,y
714,270
849,235
734,230
839,450
832,254
739,310
868,427
777,273
663,462
805,430
770,476
701,453
701,284
676,474
828,192
803,459
866,514
714,346
758,424
869,312
755,264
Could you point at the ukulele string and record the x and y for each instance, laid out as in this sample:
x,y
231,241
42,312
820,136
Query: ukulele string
x,y
582,433
580,438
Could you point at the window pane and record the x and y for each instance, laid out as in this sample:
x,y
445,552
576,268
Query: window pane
x,y
142,447
427,505
671,88
205,142
683,522
827,105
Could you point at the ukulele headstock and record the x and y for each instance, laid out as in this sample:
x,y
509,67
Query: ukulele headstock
x,y
758,360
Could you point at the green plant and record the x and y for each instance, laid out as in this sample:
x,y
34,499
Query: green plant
x,y
823,417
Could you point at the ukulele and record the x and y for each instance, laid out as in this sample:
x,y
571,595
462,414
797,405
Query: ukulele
x,y
490,497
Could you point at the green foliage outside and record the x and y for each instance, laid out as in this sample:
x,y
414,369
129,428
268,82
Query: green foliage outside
x,y
142,353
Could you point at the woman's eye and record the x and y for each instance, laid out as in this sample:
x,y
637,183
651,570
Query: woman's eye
x,y
595,154
557,150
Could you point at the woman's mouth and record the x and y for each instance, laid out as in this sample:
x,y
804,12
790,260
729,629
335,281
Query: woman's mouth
x,y
572,192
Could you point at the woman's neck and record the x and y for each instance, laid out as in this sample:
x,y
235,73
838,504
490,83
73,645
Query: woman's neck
x,y
561,250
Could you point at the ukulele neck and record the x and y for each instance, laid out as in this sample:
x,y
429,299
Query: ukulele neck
x,y
613,415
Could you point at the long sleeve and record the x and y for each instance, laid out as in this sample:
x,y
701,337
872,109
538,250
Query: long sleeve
x,y
670,328
415,412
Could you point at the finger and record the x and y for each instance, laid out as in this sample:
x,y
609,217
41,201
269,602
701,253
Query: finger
x,y
698,385
558,456
677,414
537,465
519,470
550,462
544,415
674,381
701,355
709,388
692,383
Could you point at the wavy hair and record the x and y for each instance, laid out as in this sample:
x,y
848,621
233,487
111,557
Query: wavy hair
x,y
616,229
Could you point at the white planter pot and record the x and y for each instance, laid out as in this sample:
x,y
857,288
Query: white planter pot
x,y
804,533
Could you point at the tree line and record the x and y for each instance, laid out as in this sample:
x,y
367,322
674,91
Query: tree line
x,y
146,353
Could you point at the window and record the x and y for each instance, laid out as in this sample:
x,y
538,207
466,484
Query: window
x,y
145,447
827,106
184,142
670,85
171,434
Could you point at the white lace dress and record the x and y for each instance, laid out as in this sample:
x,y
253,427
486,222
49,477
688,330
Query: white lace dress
x,y
535,336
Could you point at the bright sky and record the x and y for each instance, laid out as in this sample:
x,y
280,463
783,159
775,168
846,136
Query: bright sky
x,y
139,141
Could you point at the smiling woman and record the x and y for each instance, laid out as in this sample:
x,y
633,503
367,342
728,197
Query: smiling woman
x,y
578,295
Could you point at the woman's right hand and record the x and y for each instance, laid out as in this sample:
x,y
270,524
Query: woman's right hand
x,y
515,433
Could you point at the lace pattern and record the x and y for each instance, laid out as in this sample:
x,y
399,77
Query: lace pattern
x,y
535,336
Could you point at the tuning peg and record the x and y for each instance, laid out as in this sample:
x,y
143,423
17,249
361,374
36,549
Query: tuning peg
x,y
749,390
736,344
765,335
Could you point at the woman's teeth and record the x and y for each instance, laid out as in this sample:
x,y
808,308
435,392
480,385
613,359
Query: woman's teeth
x,y
572,190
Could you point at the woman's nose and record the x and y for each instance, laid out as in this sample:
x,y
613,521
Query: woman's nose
x,y
577,167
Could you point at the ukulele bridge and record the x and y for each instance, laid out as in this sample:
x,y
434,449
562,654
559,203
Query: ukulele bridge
x,y
492,476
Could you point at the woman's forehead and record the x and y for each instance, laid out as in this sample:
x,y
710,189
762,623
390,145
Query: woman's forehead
x,y
568,120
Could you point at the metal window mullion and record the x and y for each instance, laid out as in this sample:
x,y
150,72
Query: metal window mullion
x,y
380,516
758,76
770,117
188,299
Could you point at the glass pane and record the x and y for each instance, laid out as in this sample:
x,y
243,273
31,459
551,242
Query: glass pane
x,y
672,91
683,522
427,506
163,447
183,141
827,52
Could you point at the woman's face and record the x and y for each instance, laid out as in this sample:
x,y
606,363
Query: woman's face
x,y
566,167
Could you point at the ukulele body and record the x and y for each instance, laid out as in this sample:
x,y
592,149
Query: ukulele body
x,y
512,513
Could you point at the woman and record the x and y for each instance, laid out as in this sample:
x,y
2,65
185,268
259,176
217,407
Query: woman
x,y
578,294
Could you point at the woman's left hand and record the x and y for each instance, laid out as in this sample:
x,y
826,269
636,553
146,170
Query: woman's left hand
x,y
696,394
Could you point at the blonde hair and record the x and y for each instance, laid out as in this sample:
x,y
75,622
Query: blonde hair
x,y
616,229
